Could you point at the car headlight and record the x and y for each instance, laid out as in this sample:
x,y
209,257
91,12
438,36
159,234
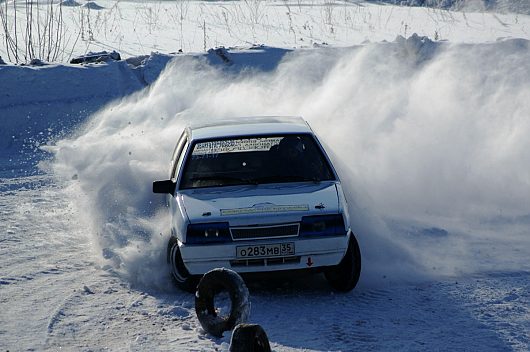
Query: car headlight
x,y
322,225
213,232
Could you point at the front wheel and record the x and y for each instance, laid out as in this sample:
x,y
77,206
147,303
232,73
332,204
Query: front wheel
x,y
180,275
345,275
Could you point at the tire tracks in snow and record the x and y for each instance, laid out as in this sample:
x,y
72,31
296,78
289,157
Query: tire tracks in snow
x,y
407,317
500,305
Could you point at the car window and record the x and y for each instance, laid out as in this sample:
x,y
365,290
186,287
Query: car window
x,y
178,155
255,160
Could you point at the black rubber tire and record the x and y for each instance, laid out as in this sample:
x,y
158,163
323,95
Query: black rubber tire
x,y
345,276
180,275
213,283
249,338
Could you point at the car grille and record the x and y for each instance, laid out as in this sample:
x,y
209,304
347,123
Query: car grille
x,y
259,232
265,261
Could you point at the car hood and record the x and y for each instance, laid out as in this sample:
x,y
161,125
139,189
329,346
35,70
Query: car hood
x,y
261,204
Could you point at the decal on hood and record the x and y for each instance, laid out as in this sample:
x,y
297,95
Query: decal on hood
x,y
265,209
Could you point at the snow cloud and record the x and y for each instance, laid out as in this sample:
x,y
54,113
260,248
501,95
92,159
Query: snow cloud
x,y
430,139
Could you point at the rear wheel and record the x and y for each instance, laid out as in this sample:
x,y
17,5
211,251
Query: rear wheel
x,y
345,276
180,275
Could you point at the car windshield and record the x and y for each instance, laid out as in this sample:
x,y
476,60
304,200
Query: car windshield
x,y
255,160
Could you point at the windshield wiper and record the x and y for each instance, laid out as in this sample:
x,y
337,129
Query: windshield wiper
x,y
281,179
223,178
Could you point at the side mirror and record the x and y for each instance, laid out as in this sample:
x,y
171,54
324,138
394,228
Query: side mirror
x,y
166,186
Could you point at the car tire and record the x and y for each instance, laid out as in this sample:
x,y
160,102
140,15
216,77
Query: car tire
x,y
180,275
345,276
249,338
212,283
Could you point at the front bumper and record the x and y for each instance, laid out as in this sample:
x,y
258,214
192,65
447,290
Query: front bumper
x,y
309,253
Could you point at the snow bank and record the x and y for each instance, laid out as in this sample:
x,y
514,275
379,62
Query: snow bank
x,y
502,6
38,103
43,103
192,26
70,3
430,140
93,6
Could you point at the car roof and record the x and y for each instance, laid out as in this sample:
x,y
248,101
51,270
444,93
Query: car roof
x,y
244,126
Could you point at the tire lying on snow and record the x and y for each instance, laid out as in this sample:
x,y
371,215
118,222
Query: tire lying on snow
x,y
213,283
345,276
249,338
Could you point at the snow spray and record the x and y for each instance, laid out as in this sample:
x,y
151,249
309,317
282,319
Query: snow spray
x,y
430,140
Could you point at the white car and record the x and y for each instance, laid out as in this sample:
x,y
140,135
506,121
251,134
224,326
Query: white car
x,y
257,195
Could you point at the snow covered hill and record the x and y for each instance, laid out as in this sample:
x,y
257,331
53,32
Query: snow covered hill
x,y
140,27
431,142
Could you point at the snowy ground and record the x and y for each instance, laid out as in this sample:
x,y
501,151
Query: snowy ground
x,y
139,27
430,138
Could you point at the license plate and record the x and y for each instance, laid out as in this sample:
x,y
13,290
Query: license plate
x,y
265,250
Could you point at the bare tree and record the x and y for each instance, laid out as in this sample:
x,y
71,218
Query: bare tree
x,y
38,34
